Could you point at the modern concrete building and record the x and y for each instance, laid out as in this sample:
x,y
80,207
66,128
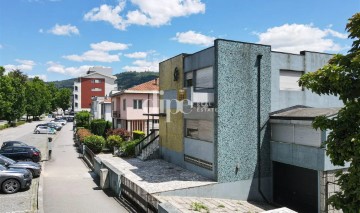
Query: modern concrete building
x,y
101,108
137,108
98,82
215,106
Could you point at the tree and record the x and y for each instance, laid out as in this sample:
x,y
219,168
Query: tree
x,y
63,98
15,95
5,99
38,98
2,71
53,101
341,77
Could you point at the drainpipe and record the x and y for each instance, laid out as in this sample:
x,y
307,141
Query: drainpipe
x,y
259,127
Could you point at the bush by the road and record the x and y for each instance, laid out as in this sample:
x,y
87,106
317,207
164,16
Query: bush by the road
x,y
128,148
98,126
123,133
113,140
137,134
82,133
95,143
82,119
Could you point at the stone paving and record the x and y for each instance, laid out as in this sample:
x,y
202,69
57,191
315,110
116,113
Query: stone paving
x,y
156,175
189,204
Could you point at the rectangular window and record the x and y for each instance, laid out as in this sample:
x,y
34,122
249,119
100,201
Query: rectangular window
x,y
96,89
76,105
96,81
289,80
76,96
137,104
124,104
200,130
204,78
189,79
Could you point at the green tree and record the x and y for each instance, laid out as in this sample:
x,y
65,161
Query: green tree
x,y
16,95
38,98
341,77
2,71
63,98
53,100
82,119
5,98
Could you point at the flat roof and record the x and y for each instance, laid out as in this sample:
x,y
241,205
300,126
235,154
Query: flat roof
x,y
303,113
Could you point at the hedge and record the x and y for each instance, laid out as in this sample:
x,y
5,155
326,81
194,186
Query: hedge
x,y
82,133
123,133
98,126
113,140
128,148
95,143
137,134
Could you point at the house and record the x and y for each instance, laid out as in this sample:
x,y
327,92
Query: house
x,y
137,108
98,82
303,176
101,108
215,106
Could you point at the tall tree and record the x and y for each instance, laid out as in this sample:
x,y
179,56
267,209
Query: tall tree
x,y
53,91
5,98
341,77
63,98
16,96
38,98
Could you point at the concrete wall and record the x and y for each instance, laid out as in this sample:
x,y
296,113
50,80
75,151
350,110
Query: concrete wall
x,y
306,62
171,130
327,187
199,60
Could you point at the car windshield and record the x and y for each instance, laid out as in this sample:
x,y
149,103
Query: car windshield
x,y
7,160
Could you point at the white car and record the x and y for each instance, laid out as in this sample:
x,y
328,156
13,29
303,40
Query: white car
x,y
44,130
62,122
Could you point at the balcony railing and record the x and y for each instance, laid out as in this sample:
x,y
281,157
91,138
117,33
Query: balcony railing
x,y
116,114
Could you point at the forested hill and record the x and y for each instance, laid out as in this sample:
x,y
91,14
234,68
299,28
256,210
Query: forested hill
x,y
124,80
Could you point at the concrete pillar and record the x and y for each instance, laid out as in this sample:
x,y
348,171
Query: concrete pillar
x,y
104,178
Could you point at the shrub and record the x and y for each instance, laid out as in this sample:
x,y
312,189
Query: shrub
x,y
98,126
82,133
137,134
129,147
4,126
123,133
95,143
20,123
82,119
113,140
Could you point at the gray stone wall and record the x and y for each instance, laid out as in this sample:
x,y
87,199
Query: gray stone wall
x,y
236,117
328,187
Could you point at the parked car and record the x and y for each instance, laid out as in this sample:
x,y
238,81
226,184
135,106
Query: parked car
x,y
13,143
44,130
55,126
12,180
25,153
32,167
61,121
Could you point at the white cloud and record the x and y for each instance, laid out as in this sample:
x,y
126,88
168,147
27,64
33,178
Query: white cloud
x,y
143,65
137,55
93,55
63,30
294,38
43,77
191,37
72,71
149,12
23,65
100,52
109,46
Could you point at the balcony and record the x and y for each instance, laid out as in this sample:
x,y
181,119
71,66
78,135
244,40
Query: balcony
x,y
116,114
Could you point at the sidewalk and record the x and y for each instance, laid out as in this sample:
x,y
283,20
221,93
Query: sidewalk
x,y
69,186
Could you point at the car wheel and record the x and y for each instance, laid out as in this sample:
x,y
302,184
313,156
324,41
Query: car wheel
x,y
37,132
11,186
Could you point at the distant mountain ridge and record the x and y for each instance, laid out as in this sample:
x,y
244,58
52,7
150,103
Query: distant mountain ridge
x,y
124,80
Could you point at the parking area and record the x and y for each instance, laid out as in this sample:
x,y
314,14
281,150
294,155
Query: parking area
x,y
25,200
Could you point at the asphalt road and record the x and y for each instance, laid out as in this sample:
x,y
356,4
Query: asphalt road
x,y
69,185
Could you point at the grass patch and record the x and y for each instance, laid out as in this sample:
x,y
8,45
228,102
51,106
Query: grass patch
x,y
199,207
221,206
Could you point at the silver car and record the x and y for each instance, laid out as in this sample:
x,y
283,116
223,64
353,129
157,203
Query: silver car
x,y
12,180
44,130
32,167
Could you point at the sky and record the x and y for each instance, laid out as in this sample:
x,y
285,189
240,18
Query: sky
x,y
61,39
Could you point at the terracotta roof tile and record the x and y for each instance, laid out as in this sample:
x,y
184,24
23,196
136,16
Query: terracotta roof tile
x,y
147,86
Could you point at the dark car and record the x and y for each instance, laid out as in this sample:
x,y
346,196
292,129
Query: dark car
x,y
32,167
13,143
12,180
25,153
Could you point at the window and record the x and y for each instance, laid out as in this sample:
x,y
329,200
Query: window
x,y
204,78
124,104
95,89
76,88
200,130
76,96
289,80
189,79
76,105
96,81
137,104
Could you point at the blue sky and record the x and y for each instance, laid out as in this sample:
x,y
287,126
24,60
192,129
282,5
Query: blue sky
x,y
60,39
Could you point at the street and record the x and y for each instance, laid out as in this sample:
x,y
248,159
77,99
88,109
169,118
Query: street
x,y
66,183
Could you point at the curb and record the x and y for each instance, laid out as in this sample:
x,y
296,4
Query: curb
x,y
40,194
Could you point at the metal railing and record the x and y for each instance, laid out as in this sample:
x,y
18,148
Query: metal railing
x,y
145,141
89,156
